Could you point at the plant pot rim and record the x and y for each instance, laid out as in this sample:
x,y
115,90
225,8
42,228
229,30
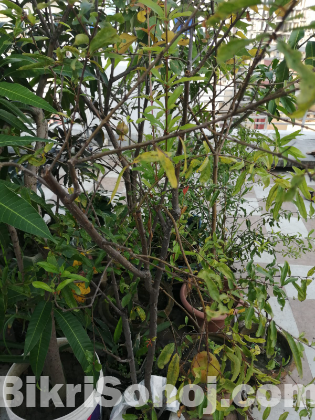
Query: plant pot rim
x,y
80,413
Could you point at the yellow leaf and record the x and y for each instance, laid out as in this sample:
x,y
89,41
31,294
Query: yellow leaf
x,y
127,41
167,165
241,35
48,147
183,42
158,43
141,16
170,36
227,159
254,8
147,157
230,61
266,8
117,183
253,52
97,64
154,39
204,164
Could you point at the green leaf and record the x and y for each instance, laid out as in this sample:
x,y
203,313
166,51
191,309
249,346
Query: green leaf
x,y
104,37
15,110
13,121
11,5
236,363
271,339
173,370
271,196
39,352
295,37
302,185
69,298
76,335
188,79
39,319
165,355
301,205
118,331
117,184
42,285
126,299
284,416
282,72
12,358
295,352
229,50
311,271
284,272
16,92
306,97
266,413
285,140
174,96
310,53
130,417
212,287
250,312
227,8
81,39
74,276
154,6
64,284
239,183
50,268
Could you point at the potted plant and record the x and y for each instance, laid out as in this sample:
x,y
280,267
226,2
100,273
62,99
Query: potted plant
x,y
75,74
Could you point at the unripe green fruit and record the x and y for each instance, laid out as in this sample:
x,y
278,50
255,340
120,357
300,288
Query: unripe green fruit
x,y
122,129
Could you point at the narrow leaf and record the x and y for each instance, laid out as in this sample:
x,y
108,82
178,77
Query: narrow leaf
x,y
76,335
167,165
40,317
39,352
295,352
166,355
117,184
173,370
118,330
20,93
19,213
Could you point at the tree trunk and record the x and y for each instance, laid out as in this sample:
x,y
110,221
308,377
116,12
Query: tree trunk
x,y
53,367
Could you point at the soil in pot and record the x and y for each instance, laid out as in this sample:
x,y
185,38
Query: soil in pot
x,y
282,353
74,375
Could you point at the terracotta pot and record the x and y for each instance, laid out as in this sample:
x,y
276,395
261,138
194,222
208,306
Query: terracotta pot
x,y
215,325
